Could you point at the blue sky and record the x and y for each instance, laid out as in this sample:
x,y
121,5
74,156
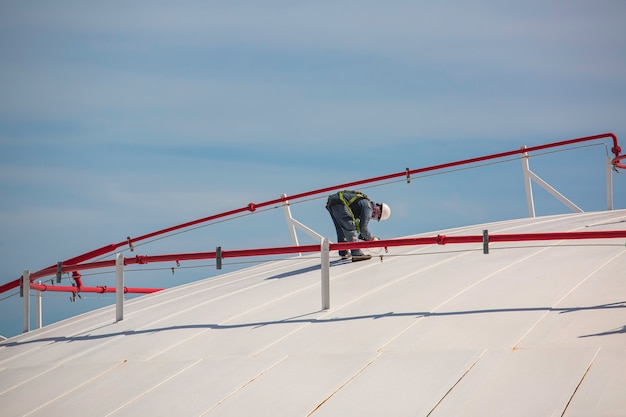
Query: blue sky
x,y
121,118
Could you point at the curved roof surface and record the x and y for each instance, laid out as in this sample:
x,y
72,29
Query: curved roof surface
x,y
530,329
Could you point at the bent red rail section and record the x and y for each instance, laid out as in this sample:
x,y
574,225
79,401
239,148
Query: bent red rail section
x,y
77,263
98,289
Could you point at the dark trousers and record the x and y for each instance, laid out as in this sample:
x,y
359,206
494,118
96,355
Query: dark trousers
x,y
344,226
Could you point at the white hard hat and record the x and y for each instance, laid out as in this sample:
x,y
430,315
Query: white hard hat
x,y
385,212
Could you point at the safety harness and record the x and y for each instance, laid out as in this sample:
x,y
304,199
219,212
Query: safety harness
x,y
347,203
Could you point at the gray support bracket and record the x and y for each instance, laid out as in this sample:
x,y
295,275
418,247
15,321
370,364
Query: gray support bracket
x,y
59,271
218,257
486,242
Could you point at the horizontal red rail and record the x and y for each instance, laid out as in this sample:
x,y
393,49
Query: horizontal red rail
x,y
283,250
251,207
146,259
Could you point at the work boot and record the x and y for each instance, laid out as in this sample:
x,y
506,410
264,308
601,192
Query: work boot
x,y
362,257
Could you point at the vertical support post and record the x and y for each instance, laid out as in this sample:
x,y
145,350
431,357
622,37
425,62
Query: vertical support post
x,y
609,183
289,218
26,295
218,257
59,271
527,184
119,286
486,242
325,252
39,310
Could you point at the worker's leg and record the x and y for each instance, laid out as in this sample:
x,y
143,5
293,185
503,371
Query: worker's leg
x,y
338,229
345,227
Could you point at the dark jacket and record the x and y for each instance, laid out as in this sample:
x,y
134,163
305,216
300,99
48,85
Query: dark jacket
x,y
360,206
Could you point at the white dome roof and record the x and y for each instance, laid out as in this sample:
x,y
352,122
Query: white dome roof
x,y
529,329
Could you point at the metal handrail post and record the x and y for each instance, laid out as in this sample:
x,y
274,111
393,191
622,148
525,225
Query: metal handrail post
x,y
290,224
528,184
26,296
119,286
293,223
609,183
325,259
39,311
530,176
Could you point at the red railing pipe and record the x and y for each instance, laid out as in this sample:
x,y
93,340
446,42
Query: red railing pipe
x,y
251,207
71,268
521,237
284,250
99,289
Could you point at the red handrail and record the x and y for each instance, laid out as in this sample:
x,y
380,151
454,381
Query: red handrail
x,y
282,250
100,289
251,207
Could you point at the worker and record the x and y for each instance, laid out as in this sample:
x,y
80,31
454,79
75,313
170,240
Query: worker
x,y
351,212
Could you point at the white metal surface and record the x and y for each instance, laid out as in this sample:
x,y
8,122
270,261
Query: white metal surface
x,y
530,329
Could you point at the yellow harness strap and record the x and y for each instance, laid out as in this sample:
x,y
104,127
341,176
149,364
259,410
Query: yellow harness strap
x,y
347,203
